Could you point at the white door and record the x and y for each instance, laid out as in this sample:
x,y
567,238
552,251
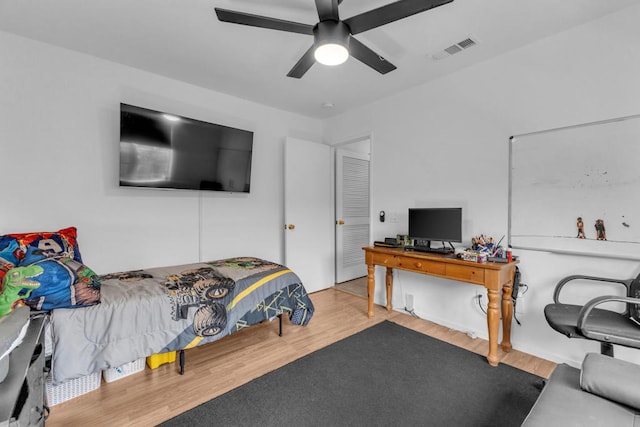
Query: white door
x,y
352,214
308,211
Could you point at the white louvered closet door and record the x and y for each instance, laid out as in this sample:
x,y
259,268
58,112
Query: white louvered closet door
x,y
352,214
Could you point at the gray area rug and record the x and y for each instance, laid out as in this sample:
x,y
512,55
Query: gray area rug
x,y
386,375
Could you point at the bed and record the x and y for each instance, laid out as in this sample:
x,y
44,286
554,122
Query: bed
x,y
157,310
99,322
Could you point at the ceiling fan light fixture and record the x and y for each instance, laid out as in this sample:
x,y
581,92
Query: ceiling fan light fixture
x,y
331,54
332,42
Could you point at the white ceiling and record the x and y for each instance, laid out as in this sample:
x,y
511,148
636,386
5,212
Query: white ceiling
x,y
184,40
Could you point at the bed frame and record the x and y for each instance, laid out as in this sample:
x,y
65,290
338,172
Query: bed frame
x,y
181,356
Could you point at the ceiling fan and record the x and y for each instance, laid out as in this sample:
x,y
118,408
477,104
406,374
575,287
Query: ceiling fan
x,y
333,37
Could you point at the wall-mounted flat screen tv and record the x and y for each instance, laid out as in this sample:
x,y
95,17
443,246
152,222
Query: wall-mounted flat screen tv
x,y
161,150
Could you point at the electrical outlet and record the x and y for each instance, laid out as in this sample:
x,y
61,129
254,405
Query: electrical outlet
x,y
520,305
409,302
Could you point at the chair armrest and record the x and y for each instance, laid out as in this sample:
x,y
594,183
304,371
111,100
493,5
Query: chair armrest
x,y
562,282
586,309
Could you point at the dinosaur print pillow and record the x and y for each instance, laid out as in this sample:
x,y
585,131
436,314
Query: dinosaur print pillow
x,y
64,282
17,286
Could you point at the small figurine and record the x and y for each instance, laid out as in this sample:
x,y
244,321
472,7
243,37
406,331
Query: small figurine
x,y
580,226
601,233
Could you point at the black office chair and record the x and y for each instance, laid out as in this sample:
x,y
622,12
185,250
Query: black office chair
x,y
588,322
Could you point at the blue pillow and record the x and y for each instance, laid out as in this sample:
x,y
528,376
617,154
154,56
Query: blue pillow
x,y
65,282
9,254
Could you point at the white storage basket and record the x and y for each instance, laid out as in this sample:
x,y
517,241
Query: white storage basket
x,y
71,389
122,371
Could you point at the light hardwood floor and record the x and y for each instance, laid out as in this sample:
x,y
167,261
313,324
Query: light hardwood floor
x,y
152,396
356,286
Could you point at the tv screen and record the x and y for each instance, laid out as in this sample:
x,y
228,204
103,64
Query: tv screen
x,y
159,150
436,224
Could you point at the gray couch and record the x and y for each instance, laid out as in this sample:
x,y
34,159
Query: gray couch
x,y
606,392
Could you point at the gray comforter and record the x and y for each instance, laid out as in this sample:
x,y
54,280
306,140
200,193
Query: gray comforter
x,y
156,310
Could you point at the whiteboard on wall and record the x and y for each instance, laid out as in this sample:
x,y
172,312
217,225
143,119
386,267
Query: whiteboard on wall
x,y
589,171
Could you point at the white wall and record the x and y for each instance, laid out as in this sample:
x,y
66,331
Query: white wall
x,y
446,143
59,133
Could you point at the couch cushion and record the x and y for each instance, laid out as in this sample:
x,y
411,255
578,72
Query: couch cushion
x,y
563,403
613,379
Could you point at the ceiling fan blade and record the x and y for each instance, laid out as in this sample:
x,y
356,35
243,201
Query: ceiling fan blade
x,y
263,21
368,57
303,64
390,13
327,10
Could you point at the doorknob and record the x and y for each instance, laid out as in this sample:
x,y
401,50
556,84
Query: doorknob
x,y
340,222
291,226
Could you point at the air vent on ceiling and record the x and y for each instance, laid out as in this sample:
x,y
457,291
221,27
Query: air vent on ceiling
x,y
455,48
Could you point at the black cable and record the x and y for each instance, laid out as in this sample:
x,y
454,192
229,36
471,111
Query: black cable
x,y
411,312
514,313
522,292
479,297
515,301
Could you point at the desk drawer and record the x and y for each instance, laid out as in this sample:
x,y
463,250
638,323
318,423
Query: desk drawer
x,y
422,266
466,273
386,260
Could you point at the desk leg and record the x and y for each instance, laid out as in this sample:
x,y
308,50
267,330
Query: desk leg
x,y
371,284
389,283
507,315
493,323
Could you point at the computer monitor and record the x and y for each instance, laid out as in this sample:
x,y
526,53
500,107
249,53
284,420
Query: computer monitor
x,y
435,224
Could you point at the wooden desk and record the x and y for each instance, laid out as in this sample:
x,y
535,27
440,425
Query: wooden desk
x,y
495,277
